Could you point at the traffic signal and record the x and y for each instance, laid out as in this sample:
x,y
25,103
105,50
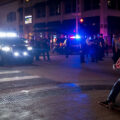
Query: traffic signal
x,y
81,20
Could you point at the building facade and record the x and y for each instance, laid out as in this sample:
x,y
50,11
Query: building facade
x,y
8,15
30,17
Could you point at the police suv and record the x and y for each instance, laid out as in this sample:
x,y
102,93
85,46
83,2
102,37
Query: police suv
x,y
14,49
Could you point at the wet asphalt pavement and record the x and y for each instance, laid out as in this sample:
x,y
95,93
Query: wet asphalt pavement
x,y
48,91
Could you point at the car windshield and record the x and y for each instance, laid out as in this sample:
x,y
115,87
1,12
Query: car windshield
x,y
13,41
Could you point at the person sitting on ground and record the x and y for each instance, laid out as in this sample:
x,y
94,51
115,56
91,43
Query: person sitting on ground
x,y
110,102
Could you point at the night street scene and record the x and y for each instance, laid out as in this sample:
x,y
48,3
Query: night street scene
x,y
59,59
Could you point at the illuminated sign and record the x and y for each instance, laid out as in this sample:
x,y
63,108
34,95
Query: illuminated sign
x,y
28,19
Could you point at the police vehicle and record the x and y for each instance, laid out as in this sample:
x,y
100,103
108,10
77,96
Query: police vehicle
x,y
14,49
72,44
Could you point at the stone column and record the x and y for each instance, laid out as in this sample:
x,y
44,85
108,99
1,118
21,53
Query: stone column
x,y
47,13
103,18
62,9
24,32
33,20
81,6
33,16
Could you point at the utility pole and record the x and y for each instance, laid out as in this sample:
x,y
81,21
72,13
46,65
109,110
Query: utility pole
x,y
77,17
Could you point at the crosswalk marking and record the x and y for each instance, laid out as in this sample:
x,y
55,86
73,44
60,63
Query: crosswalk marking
x,y
18,78
9,72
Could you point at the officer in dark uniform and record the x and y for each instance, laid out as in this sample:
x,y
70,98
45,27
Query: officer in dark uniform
x,y
82,50
92,44
67,47
114,41
92,49
95,46
101,47
46,48
37,47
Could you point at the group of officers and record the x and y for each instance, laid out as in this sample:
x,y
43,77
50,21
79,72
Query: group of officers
x,y
93,47
41,48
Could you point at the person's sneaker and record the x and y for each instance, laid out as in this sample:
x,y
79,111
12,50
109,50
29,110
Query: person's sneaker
x,y
111,105
104,103
107,104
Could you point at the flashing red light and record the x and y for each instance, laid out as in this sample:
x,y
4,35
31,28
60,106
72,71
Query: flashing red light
x,y
72,37
75,37
81,20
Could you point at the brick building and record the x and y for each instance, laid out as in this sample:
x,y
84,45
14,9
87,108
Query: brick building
x,y
59,16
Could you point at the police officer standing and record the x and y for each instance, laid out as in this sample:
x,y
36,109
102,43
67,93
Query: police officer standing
x,y
82,49
37,47
67,47
114,48
117,48
46,48
101,47
95,48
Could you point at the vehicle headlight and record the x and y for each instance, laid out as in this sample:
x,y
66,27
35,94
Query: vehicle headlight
x,y
25,53
16,54
26,41
29,48
6,49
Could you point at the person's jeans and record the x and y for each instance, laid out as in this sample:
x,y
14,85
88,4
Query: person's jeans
x,y
114,92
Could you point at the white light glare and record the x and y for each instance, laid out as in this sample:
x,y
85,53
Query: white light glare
x,y
6,49
16,54
11,34
29,48
2,34
25,53
8,34
26,41
77,37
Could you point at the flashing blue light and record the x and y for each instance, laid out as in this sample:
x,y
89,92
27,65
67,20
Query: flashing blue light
x,y
76,37
67,85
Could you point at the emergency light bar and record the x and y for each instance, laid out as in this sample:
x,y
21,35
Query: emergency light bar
x,y
7,34
76,37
